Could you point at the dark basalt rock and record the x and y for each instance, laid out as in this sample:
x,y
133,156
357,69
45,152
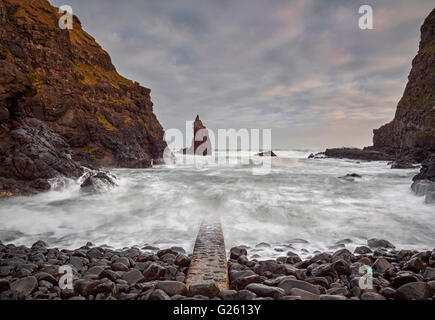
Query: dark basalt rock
x,y
427,169
402,164
98,181
267,154
57,114
358,154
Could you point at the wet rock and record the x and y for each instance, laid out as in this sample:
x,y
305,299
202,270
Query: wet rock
x,y
43,276
83,287
404,278
242,282
12,295
4,114
422,187
26,286
228,294
39,244
289,284
372,296
4,285
168,258
99,181
332,297
351,176
324,270
118,266
402,164
429,274
267,154
381,265
163,252
95,253
159,294
362,250
236,252
182,261
380,243
414,291
132,277
172,288
153,272
207,288
262,290
304,295
338,291
96,271
358,154
415,265
292,258
341,267
388,293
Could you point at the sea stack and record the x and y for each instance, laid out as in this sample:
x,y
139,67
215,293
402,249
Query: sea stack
x,y
201,144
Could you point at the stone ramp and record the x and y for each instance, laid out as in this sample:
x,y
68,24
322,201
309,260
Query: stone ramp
x,y
209,259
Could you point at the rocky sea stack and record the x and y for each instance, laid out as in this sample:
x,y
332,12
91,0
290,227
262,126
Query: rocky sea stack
x,y
63,104
201,144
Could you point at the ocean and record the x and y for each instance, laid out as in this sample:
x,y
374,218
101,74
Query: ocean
x,y
301,205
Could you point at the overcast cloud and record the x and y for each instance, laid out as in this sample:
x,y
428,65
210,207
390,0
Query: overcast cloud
x,y
301,68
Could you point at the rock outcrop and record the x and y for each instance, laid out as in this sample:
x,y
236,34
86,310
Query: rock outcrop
x,y
359,154
62,103
201,144
410,137
413,127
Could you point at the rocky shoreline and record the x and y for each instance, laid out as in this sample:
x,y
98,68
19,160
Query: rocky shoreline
x,y
148,273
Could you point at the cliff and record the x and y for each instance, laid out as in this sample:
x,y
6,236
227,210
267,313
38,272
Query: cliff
x,y
412,130
63,104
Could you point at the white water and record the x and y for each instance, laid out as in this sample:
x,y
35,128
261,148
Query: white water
x,y
164,206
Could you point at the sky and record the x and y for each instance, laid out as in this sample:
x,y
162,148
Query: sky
x,y
302,68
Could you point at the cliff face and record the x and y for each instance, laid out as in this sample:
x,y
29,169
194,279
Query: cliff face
x,y
413,127
59,90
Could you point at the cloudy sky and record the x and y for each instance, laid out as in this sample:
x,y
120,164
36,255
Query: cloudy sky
x,y
302,68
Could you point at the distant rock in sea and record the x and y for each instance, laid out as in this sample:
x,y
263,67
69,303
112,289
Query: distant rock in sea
x,y
267,154
358,154
201,144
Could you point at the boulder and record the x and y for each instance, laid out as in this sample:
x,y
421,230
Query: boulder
x,y
172,288
414,291
132,277
236,252
25,286
99,181
289,284
262,290
267,154
372,296
207,288
380,243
